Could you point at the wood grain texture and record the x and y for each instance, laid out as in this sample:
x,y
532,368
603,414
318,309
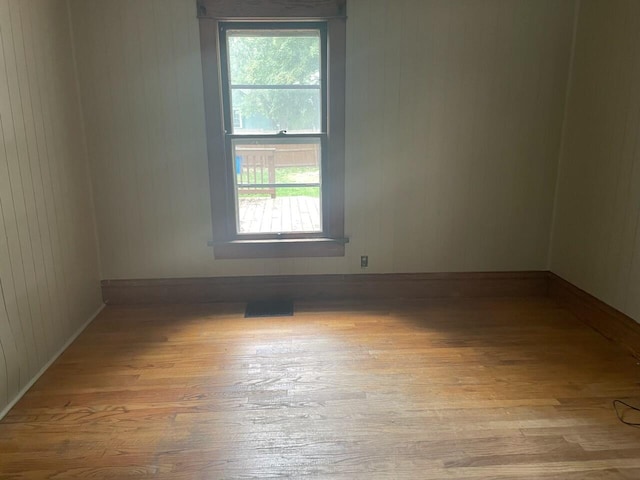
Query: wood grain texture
x,y
261,9
323,287
49,280
610,322
222,227
596,235
453,119
457,389
334,198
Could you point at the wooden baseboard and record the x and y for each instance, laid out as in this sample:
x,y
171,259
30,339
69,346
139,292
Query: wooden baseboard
x,y
330,287
603,318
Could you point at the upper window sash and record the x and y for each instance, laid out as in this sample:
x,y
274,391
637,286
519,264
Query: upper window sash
x,y
226,75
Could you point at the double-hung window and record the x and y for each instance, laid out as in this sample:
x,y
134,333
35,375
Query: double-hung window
x,y
274,102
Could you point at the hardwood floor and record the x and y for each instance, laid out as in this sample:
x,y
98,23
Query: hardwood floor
x,y
455,389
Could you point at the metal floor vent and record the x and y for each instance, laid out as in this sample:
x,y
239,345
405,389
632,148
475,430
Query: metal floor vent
x,y
269,308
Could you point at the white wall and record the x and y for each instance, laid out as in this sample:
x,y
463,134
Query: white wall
x,y
596,236
48,257
454,116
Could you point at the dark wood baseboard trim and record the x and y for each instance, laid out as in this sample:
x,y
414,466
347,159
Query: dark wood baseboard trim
x,y
603,318
330,287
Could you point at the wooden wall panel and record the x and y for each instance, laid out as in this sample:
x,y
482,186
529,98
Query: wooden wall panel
x,y
404,286
454,113
48,253
596,240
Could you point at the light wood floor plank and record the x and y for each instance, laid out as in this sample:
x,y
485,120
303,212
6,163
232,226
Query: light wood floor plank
x,y
438,389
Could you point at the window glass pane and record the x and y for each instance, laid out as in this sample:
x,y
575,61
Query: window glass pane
x,y
274,57
278,185
282,213
269,111
275,80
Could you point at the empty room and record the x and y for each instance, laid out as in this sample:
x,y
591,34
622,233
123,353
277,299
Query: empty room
x,y
341,239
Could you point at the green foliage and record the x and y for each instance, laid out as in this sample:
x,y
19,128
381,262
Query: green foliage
x,y
294,175
276,60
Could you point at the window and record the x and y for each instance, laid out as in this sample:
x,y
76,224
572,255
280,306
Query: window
x,y
274,103
275,74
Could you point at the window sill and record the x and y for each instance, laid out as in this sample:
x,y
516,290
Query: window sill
x,y
312,247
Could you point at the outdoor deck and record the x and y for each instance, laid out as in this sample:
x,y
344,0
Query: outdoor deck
x,y
280,214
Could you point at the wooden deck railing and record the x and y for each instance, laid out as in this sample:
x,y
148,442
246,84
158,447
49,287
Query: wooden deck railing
x,y
256,165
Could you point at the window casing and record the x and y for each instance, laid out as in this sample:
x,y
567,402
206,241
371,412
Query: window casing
x,y
230,144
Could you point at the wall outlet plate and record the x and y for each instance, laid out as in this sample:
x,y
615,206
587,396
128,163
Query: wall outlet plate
x,y
364,261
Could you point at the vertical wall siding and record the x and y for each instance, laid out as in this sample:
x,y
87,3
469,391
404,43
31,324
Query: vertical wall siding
x,y
454,112
48,257
596,239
